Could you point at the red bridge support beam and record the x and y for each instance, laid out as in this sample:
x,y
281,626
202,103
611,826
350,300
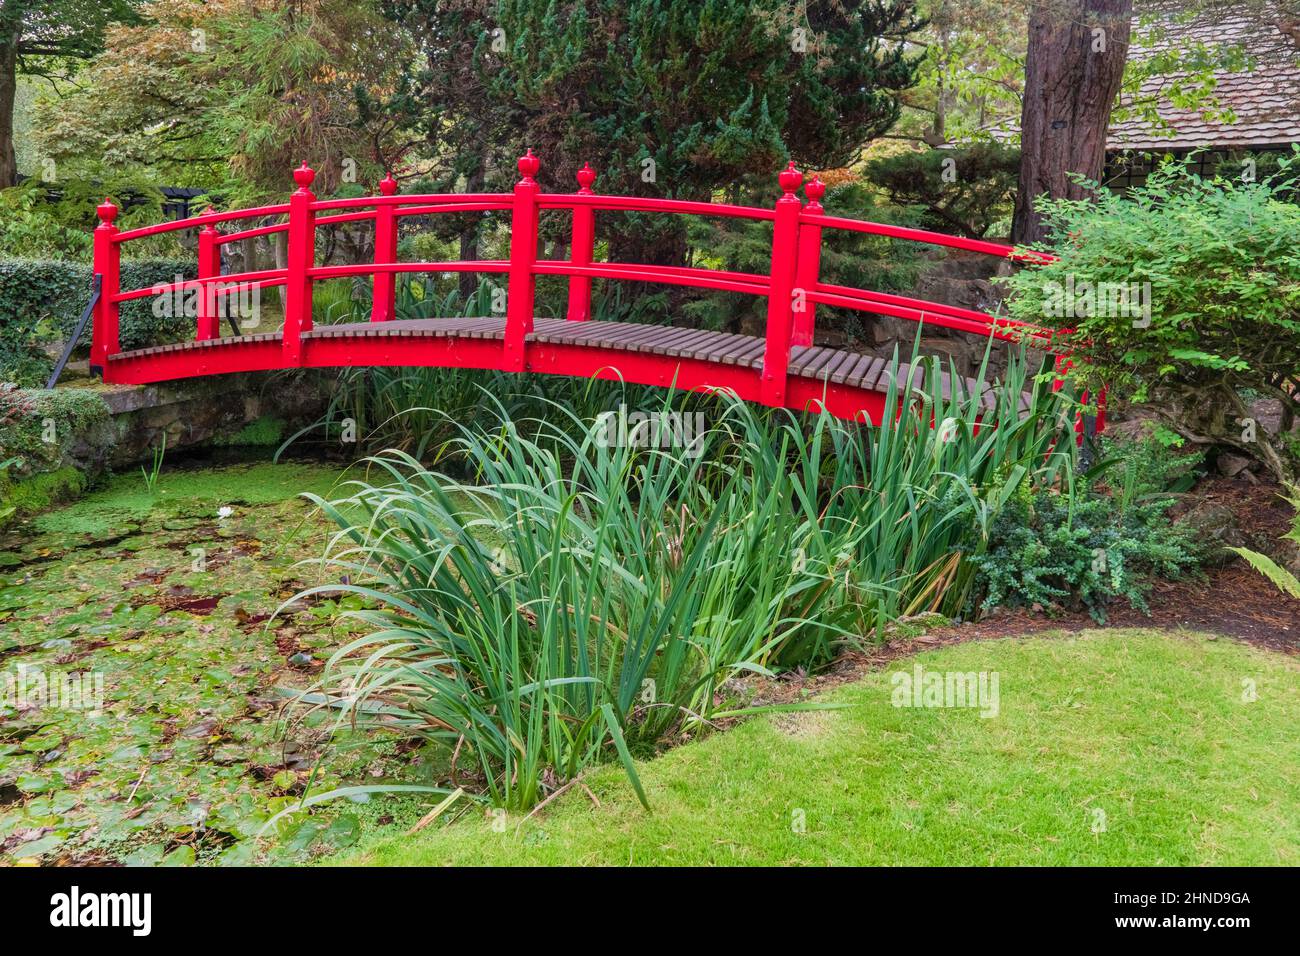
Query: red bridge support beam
x,y
300,257
108,266
523,256
808,269
785,244
383,298
582,247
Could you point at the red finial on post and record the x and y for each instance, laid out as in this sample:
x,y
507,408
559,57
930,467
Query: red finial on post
x,y
107,212
384,291
790,179
814,191
808,267
521,284
300,256
303,176
107,266
528,166
780,315
582,246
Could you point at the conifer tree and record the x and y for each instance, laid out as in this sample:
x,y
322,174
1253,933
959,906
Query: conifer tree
x,y
674,98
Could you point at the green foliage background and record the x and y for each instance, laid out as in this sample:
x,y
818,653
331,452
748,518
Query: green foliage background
x,y
41,300
1221,261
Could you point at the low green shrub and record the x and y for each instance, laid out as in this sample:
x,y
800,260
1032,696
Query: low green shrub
x,y
1082,550
35,298
1147,469
1183,295
41,300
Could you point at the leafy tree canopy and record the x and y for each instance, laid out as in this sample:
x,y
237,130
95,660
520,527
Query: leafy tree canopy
x,y
708,91
233,93
663,97
44,33
962,190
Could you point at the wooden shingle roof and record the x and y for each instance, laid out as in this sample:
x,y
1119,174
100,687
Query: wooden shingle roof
x,y
1265,99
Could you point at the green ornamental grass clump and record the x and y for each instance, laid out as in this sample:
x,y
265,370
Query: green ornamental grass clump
x,y
545,599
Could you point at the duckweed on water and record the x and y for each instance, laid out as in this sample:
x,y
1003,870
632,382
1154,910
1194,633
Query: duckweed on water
x,y
187,493
169,606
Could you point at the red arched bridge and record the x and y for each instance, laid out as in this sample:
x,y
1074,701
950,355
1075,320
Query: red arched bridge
x,y
782,367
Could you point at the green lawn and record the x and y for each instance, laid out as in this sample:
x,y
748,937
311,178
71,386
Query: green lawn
x,y
1113,747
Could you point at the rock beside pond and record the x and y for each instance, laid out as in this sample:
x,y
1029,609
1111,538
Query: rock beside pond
x,y
1217,527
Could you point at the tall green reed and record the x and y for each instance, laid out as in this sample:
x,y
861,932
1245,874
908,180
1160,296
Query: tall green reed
x,y
572,601
411,408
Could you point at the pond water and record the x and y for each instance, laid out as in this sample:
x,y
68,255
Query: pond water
x,y
144,671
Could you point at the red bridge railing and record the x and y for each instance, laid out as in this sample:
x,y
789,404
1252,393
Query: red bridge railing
x,y
793,285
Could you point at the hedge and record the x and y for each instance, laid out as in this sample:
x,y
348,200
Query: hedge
x,y
41,300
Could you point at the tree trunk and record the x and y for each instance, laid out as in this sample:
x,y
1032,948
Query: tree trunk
x,y
1073,70
8,88
1210,416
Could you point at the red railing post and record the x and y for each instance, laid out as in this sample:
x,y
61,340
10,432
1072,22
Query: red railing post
x,y
209,319
1061,367
808,270
523,255
108,266
584,239
300,256
785,243
383,297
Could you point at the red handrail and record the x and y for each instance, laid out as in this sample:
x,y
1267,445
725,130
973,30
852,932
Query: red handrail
x,y
210,218
390,268
921,235
792,285
260,277
688,207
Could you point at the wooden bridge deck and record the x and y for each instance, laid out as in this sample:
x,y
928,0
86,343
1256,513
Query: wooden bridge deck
x,y
836,367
